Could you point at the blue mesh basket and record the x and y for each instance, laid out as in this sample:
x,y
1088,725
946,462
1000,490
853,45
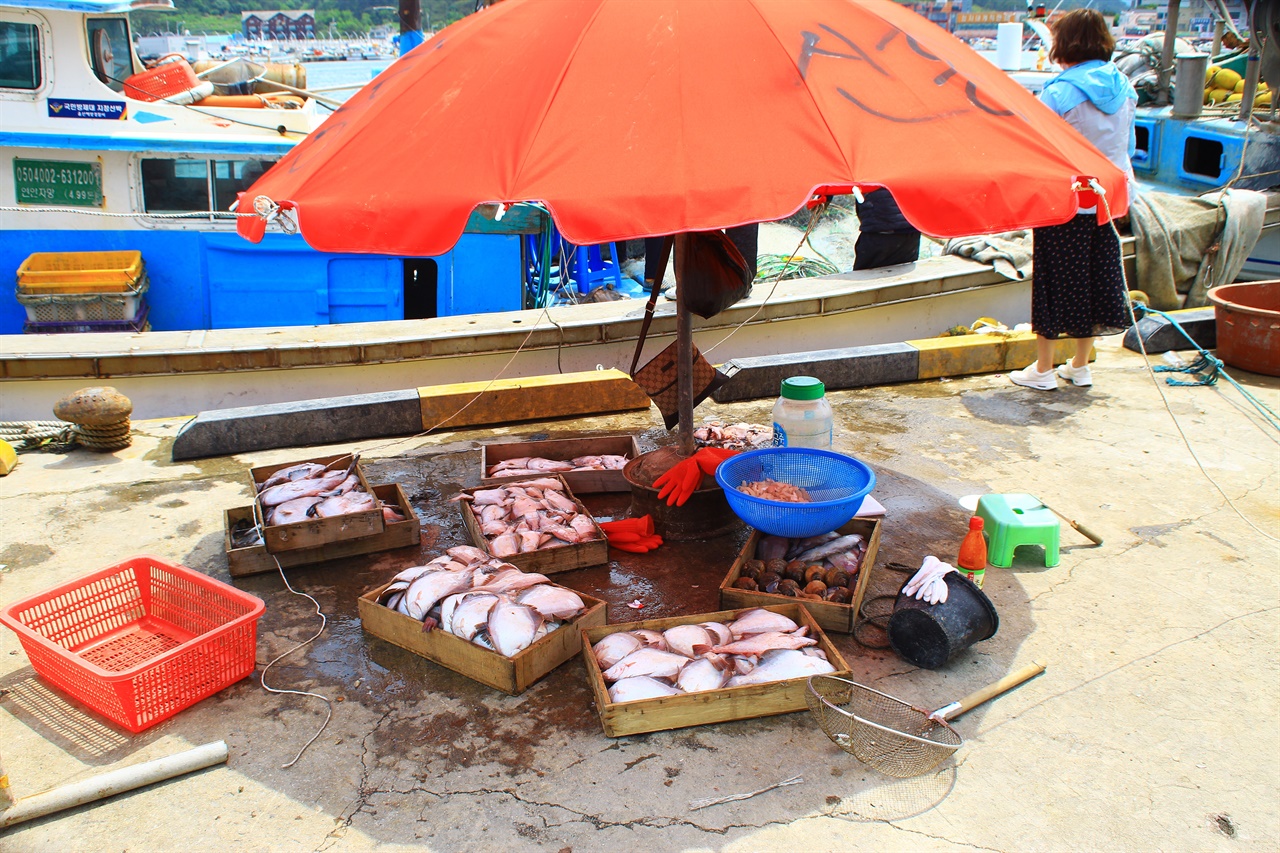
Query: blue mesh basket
x,y
837,484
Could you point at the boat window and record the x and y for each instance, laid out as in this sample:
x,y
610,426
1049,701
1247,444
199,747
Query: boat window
x,y
171,186
109,52
19,56
1202,157
231,177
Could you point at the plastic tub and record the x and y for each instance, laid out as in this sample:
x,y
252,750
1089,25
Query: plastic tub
x,y
64,308
1247,322
139,641
929,635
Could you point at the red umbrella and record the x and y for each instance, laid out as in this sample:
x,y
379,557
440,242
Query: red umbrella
x,y
633,118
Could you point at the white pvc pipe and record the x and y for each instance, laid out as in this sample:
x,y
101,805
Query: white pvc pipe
x,y
112,783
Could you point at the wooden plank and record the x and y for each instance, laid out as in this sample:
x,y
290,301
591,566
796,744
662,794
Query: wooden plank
x,y
840,618
315,532
549,559
511,675
562,450
255,559
504,401
709,706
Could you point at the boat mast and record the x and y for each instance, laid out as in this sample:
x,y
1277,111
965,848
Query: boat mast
x,y
1166,53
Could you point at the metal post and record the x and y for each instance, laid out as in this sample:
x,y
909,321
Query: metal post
x,y
410,16
684,360
1252,73
1166,53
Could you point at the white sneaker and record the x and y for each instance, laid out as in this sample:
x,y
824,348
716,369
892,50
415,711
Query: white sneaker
x,y
1076,375
1032,378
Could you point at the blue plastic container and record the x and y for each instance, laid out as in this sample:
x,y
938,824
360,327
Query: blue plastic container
x,y
837,484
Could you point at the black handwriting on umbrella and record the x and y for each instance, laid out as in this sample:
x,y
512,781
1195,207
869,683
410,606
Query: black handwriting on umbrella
x,y
811,48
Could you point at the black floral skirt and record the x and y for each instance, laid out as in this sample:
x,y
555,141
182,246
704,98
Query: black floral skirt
x,y
1078,289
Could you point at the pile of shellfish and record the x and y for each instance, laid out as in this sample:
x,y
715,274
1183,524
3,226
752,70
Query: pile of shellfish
x,y
820,568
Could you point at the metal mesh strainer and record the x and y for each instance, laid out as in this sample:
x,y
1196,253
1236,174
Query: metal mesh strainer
x,y
892,736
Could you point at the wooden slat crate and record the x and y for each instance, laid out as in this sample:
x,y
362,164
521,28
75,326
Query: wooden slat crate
x,y
562,450
255,559
510,675
708,706
547,560
315,532
840,618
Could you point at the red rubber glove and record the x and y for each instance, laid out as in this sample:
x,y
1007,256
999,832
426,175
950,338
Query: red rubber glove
x,y
709,458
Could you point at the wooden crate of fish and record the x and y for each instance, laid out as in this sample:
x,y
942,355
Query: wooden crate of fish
x,y
247,554
756,669
314,502
480,609
836,598
535,524
588,465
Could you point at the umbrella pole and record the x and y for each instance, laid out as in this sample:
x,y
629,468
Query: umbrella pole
x,y
684,362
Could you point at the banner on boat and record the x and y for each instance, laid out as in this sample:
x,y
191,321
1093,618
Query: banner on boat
x,y
59,108
58,182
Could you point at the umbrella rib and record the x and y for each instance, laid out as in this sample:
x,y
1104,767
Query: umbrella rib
x,y
570,55
813,101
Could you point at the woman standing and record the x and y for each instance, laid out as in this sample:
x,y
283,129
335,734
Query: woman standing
x,y
1078,289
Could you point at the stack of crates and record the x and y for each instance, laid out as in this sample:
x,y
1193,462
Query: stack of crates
x,y
83,292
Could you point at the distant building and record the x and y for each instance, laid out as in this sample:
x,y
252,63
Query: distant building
x,y
280,25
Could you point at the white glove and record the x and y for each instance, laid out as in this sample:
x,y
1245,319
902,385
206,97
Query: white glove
x,y
929,583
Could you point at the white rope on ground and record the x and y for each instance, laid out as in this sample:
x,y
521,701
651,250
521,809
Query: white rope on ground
x,y
1102,195
324,621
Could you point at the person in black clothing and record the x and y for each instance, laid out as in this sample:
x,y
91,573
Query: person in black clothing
x,y
885,237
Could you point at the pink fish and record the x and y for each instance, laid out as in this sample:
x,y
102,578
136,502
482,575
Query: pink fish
x,y
758,621
505,545
553,602
646,661
307,488
640,687
293,472
513,627
345,504
615,647
511,580
758,644
298,509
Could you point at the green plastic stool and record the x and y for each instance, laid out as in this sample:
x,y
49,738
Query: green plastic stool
x,y
1013,520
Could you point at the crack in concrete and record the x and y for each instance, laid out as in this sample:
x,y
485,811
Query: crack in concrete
x,y
1128,664
939,837
363,791
595,821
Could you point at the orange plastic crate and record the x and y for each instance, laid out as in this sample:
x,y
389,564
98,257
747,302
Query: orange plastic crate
x,y
80,272
139,641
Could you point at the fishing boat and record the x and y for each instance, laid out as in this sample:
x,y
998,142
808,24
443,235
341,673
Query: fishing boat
x,y
234,323
97,158
1187,147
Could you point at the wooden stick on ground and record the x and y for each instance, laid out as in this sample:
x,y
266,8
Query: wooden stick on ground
x,y
694,805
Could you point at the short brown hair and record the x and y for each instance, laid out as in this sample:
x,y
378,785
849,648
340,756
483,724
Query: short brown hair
x,y
1081,35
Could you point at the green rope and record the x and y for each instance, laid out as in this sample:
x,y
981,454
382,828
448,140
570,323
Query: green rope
x,y
769,267
1207,368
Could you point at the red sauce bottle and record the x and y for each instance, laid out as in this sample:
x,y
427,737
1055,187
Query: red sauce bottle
x,y
973,553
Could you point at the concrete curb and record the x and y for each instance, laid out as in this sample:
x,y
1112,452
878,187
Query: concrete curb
x,y
337,419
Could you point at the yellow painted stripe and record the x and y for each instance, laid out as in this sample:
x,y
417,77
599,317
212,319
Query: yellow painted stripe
x,y
965,354
590,392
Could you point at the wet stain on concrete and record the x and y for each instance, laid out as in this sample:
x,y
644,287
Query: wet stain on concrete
x,y
1016,407
1152,534
173,504
151,492
24,555
188,528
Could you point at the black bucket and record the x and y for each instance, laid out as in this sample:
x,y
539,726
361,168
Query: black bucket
x,y
929,635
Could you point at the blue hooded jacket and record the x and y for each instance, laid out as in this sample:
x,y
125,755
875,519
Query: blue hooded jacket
x,y
1096,81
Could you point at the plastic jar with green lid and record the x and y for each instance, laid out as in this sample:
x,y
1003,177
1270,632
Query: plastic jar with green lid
x,y
802,416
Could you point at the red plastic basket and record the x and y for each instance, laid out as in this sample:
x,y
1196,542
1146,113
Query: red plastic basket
x,y
139,641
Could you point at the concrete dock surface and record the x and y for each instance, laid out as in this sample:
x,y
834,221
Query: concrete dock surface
x,y
1152,728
